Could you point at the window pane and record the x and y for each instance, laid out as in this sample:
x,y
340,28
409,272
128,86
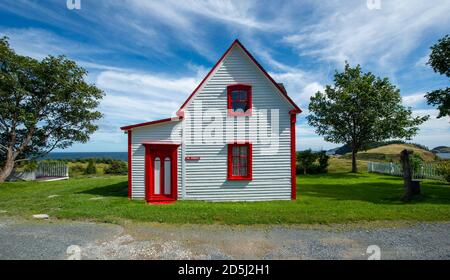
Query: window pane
x,y
157,173
167,175
243,95
243,151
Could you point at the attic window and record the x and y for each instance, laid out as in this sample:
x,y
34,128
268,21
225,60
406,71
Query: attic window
x,y
239,100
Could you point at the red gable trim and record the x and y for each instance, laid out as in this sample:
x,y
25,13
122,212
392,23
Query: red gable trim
x,y
129,127
236,42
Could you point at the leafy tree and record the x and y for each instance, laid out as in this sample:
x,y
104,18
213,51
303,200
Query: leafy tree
x,y
43,105
91,168
117,167
360,109
306,159
440,62
323,161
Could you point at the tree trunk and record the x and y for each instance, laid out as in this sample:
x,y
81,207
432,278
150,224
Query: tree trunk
x,y
354,166
304,170
407,174
7,169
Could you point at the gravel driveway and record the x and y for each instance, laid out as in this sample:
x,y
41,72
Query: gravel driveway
x,y
50,239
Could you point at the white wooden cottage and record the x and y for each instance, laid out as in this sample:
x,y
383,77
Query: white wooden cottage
x,y
233,139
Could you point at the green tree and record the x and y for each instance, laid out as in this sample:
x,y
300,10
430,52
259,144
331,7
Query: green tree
x,y
43,105
440,62
360,109
306,159
91,168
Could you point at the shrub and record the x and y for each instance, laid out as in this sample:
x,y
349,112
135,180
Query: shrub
x,y
323,162
309,162
444,170
30,166
306,159
416,162
91,169
117,167
77,169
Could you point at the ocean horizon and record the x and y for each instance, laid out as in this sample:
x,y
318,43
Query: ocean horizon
x,y
84,155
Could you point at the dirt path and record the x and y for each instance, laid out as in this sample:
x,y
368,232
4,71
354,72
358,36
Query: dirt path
x,y
20,239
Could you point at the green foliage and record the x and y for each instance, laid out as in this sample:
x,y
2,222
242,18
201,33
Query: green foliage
x,y
306,159
360,109
309,162
416,162
117,167
440,62
30,166
444,169
44,104
91,169
76,170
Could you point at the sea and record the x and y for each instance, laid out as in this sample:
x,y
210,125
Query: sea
x,y
443,155
109,155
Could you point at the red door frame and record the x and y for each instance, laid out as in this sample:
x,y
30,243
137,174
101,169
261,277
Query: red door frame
x,y
170,150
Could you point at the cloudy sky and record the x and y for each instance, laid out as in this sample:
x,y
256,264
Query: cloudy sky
x,y
148,56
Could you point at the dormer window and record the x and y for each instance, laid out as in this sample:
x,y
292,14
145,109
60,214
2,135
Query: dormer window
x,y
239,100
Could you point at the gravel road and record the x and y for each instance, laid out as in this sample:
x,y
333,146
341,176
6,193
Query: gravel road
x,y
53,239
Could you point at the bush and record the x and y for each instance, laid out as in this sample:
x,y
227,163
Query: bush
x,y
444,170
416,162
309,162
30,166
77,169
91,169
117,167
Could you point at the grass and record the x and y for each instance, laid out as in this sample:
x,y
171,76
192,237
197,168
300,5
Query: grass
x,y
322,199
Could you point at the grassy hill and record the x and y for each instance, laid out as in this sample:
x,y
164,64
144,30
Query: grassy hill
x,y
392,152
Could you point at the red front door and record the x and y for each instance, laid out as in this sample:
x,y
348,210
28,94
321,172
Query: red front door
x,y
162,173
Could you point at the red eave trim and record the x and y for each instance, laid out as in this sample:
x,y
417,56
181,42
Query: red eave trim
x,y
237,42
207,76
129,127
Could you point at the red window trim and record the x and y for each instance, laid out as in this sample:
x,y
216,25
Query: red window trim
x,y
232,88
230,175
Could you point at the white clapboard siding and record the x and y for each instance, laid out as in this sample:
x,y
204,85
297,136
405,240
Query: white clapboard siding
x,y
165,131
206,179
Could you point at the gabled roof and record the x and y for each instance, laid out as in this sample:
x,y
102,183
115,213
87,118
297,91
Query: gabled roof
x,y
280,87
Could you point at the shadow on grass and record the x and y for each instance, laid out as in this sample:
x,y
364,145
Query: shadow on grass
x,y
115,190
369,188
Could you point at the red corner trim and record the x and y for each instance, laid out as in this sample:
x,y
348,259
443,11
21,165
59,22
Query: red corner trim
x,y
293,159
129,164
237,42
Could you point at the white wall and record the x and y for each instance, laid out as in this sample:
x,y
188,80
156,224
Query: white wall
x,y
163,131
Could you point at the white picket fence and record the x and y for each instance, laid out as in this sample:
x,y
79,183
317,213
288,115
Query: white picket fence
x,y
52,169
426,171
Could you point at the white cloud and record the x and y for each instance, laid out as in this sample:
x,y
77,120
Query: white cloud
x,y
351,31
413,100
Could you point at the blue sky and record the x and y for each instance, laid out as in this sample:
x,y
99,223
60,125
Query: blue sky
x,y
148,56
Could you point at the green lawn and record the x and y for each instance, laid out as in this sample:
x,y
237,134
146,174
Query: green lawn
x,y
331,198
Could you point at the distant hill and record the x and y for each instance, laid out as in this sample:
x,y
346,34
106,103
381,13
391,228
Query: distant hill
x,y
346,149
441,149
392,152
